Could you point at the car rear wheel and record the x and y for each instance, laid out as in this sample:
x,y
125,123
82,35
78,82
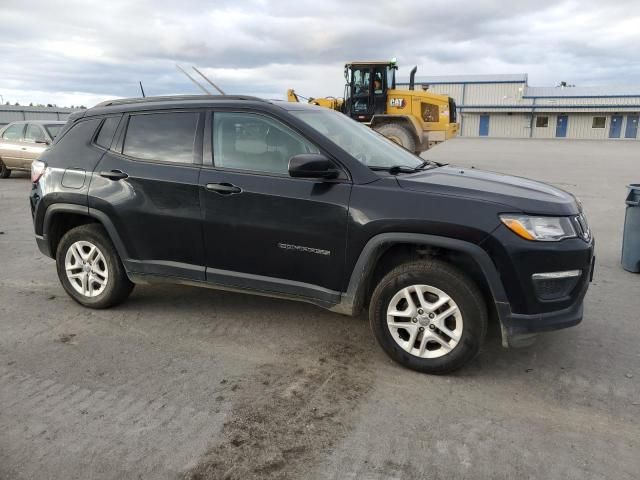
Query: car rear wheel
x,y
4,171
90,269
428,316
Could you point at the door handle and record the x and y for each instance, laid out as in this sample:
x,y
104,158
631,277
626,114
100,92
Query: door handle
x,y
223,188
114,175
23,148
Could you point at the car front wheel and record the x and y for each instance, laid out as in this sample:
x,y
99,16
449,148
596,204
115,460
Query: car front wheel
x,y
428,316
90,269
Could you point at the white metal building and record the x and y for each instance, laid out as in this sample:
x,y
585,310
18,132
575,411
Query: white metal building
x,y
506,106
14,113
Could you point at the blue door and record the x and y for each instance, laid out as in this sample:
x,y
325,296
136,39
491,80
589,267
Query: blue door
x,y
484,125
616,126
632,126
561,126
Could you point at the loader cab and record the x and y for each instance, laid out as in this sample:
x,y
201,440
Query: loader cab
x,y
366,88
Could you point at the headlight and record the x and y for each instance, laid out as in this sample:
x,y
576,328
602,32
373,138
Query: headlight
x,y
544,229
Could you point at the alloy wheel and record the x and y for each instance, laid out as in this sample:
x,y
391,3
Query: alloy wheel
x,y
86,268
424,321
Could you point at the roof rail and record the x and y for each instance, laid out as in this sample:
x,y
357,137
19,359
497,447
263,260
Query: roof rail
x,y
168,98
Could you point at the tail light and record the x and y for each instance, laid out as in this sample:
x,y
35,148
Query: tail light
x,y
37,169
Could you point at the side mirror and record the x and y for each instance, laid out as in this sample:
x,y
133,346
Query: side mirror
x,y
311,165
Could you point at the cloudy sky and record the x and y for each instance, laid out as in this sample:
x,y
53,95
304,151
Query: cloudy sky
x,y
82,52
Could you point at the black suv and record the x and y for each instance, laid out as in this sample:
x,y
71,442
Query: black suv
x,y
301,202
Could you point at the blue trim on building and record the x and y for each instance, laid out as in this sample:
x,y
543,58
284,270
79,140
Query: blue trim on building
x,y
539,107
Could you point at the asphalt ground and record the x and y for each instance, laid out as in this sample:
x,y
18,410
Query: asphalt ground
x,y
181,382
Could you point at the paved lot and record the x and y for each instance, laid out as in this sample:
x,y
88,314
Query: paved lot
x,y
182,381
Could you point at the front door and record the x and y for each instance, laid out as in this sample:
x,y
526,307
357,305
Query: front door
x,y
263,229
147,184
484,126
616,126
561,126
632,126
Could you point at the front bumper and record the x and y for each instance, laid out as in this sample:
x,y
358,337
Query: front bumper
x,y
521,329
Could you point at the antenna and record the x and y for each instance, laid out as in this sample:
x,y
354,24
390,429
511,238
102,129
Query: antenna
x,y
142,90
193,80
208,81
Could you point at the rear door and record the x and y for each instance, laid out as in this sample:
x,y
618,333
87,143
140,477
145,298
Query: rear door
x,y
11,145
262,228
35,142
147,185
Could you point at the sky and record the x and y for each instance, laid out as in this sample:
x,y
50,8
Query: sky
x,y
83,52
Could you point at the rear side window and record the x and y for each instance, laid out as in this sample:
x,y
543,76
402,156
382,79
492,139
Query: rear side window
x,y
54,129
34,134
105,137
166,137
14,132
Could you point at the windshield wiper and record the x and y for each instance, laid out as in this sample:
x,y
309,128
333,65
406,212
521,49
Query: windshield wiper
x,y
395,169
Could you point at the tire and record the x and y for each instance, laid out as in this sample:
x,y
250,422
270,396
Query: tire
x,y
111,285
398,133
4,171
463,328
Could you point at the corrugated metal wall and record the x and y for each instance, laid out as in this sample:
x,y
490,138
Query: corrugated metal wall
x,y
15,113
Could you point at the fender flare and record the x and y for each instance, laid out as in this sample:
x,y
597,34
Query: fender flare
x,y
101,217
353,297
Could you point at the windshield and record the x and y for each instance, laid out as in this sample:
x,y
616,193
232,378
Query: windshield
x,y
54,129
361,142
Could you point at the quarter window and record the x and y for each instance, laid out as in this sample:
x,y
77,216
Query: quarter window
x,y
599,122
166,137
34,134
542,122
106,131
14,132
245,141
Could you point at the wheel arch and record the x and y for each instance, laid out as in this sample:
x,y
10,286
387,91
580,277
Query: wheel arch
x,y
62,217
387,250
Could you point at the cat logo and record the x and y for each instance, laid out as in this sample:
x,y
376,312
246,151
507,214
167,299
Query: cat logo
x,y
397,102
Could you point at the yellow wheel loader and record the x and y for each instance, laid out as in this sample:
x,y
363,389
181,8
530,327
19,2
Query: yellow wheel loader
x,y
414,119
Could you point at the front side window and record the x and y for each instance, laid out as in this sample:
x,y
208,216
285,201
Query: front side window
x,y
599,122
246,141
542,122
165,137
14,132
34,134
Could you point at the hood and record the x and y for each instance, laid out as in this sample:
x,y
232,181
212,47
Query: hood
x,y
516,193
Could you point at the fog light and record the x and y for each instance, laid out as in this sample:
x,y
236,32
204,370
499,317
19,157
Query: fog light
x,y
555,285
